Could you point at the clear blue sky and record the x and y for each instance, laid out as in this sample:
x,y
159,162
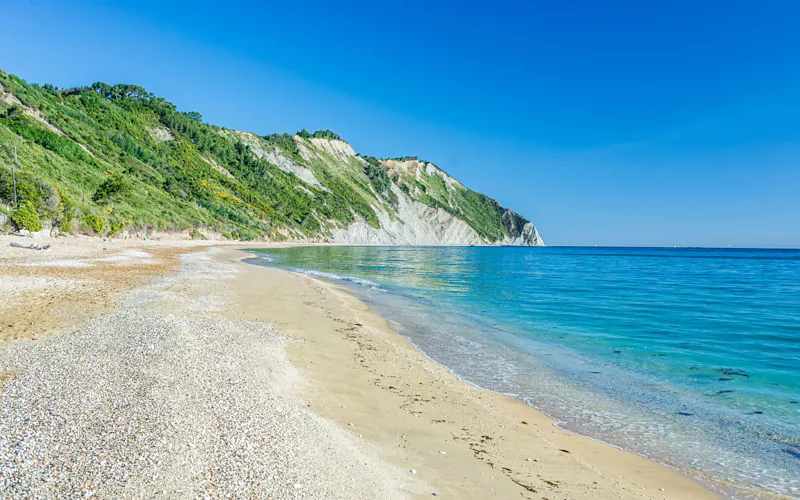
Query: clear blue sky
x,y
608,123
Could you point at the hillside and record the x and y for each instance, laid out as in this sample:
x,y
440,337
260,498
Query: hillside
x,y
117,160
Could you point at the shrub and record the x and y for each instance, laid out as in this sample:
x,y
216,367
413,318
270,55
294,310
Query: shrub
x,y
197,235
115,226
24,127
26,217
287,144
12,112
66,225
379,179
115,185
64,211
94,222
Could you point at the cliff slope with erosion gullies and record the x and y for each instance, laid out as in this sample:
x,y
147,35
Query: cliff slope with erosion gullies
x,y
117,160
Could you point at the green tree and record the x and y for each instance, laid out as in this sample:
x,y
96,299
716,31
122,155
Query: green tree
x,y
114,187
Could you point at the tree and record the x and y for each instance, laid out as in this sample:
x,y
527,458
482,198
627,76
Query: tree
x,y
320,134
102,88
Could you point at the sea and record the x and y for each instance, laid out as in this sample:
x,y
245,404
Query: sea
x,y
687,356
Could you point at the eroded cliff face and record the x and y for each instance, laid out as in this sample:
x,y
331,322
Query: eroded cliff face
x,y
423,207
415,223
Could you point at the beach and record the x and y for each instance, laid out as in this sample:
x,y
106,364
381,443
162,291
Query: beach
x,y
175,369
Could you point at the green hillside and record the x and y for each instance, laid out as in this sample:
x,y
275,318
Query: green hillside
x,y
106,159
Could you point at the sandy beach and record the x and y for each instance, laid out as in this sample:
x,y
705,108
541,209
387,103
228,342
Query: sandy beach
x,y
174,369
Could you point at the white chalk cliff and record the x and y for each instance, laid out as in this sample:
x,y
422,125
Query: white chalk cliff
x,y
422,204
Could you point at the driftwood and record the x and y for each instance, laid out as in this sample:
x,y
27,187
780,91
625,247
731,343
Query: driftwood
x,y
32,246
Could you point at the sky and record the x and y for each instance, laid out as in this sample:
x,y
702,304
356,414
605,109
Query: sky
x,y
605,123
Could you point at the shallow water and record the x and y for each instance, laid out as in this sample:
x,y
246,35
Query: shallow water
x,y
689,356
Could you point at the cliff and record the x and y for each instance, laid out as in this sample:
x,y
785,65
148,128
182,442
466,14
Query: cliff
x,y
116,159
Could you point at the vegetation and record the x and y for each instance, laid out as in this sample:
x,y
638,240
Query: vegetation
x,y
379,179
406,158
320,134
286,143
94,222
25,128
98,159
114,187
26,217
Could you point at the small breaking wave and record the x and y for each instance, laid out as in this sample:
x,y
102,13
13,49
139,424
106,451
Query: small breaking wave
x,y
352,279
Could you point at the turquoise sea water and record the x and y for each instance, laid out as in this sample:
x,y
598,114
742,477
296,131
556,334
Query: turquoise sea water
x,y
688,356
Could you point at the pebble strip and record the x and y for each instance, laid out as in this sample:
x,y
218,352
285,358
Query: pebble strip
x,y
145,404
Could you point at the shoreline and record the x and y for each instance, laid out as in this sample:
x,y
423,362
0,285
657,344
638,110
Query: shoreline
x,y
450,345
716,486
347,285
499,460
380,389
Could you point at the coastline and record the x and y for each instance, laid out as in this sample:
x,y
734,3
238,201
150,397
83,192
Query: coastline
x,y
461,441
392,389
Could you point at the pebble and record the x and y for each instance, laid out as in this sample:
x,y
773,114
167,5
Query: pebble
x,y
142,400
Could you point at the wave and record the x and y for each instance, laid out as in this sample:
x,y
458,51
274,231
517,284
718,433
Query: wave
x,y
339,277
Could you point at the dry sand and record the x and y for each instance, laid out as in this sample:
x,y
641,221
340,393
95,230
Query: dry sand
x,y
413,419
58,289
